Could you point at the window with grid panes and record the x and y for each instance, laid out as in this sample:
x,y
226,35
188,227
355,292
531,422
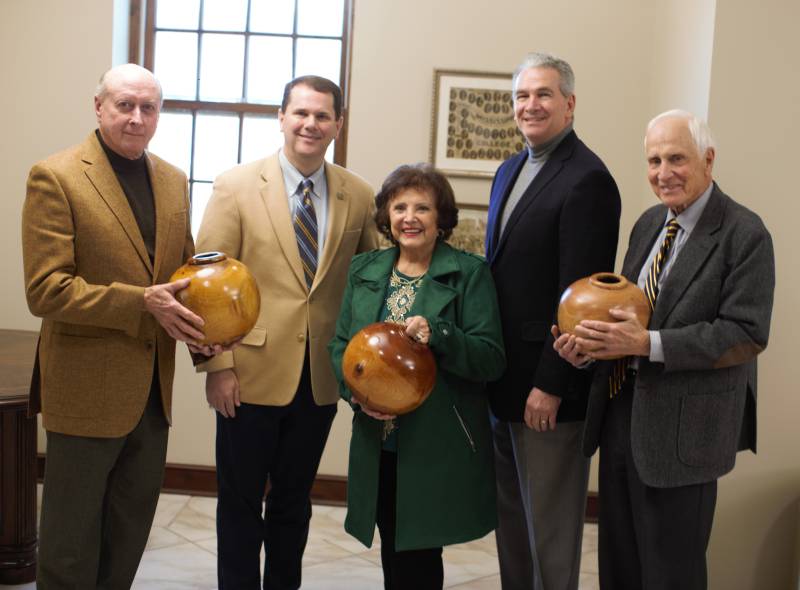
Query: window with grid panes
x,y
223,65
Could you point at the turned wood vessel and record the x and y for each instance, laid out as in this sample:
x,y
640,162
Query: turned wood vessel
x,y
223,292
386,370
590,298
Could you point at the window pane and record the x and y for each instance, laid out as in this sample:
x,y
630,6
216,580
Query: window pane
x,y
221,67
320,17
269,68
216,144
201,193
272,16
261,137
173,139
224,15
321,57
177,14
176,64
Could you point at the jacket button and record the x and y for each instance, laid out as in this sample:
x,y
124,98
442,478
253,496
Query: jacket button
x,y
149,345
301,337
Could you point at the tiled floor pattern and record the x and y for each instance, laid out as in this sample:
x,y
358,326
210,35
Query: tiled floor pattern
x,y
181,554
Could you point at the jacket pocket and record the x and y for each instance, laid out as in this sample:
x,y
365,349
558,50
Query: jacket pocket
x,y
708,429
465,429
255,337
74,380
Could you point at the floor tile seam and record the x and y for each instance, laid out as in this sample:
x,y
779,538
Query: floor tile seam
x,y
334,544
351,552
192,541
362,558
177,514
209,551
187,542
334,559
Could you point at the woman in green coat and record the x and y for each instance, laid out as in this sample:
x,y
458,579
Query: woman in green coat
x,y
426,478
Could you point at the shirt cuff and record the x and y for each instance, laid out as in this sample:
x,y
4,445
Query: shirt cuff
x,y
656,349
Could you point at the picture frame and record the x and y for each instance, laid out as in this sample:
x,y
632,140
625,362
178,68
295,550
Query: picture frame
x,y
470,233
473,129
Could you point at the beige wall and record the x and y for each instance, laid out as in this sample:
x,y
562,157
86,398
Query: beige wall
x,y
755,113
49,72
632,59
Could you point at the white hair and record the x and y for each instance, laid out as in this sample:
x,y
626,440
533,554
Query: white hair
x,y
698,129
547,60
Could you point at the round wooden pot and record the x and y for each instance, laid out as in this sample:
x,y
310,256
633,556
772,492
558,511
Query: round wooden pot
x,y
223,292
386,370
590,298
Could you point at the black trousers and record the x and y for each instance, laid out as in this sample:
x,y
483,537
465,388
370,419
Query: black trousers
x,y
99,499
283,444
418,569
649,538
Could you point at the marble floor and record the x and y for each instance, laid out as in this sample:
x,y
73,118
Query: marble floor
x,y
181,554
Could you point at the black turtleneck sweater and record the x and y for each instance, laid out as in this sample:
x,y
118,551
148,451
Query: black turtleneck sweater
x,y
135,181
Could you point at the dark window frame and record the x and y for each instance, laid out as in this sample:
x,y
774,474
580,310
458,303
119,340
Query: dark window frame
x,y
141,49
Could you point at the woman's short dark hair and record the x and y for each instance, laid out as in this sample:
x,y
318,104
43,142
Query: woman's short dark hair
x,y
422,177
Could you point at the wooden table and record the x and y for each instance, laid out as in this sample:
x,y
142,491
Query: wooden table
x,y
17,459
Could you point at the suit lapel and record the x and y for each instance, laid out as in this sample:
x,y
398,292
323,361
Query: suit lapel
x,y
338,210
276,202
435,294
162,221
640,248
496,205
371,286
690,259
102,176
553,166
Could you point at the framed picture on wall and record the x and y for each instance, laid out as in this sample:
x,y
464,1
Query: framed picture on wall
x,y
470,233
473,128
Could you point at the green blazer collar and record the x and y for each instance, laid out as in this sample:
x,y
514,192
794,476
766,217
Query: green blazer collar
x,y
380,266
434,294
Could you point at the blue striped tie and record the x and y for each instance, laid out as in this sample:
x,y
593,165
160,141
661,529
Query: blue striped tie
x,y
305,229
617,377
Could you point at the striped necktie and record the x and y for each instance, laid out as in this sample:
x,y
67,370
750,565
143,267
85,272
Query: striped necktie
x,y
617,377
305,229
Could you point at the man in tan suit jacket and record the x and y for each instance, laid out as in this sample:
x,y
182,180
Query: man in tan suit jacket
x,y
276,395
104,225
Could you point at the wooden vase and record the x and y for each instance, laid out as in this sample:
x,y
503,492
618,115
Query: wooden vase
x,y
223,292
590,298
386,370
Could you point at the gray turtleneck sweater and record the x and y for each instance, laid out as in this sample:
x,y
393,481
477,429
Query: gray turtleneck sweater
x,y
537,158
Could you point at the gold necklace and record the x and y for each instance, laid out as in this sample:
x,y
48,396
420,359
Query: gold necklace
x,y
401,300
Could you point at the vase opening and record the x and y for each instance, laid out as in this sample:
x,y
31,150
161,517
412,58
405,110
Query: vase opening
x,y
208,257
608,280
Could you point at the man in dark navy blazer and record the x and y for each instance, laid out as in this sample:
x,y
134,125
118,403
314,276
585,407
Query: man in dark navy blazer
x,y
688,402
553,219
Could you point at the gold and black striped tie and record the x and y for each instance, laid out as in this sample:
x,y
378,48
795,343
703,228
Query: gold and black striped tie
x,y
305,230
617,377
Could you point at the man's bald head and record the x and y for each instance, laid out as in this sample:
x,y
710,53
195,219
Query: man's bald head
x,y
126,72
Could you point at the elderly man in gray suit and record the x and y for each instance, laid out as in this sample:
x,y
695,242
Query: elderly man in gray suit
x,y
670,416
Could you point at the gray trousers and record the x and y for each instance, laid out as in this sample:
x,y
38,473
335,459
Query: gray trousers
x,y
99,499
542,480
